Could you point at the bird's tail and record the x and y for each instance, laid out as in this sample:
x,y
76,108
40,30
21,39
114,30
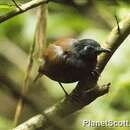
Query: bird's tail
x,y
39,75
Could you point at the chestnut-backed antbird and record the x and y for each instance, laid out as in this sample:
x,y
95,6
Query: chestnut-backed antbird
x,y
70,60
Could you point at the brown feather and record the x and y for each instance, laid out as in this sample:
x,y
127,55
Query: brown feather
x,y
58,48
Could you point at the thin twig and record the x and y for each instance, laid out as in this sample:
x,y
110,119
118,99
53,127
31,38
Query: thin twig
x,y
117,24
25,86
41,29
24,7
16,5
40,39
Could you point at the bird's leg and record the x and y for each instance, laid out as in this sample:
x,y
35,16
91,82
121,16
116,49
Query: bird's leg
x,y
63,89
16,5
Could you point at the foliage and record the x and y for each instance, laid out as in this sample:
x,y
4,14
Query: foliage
x,y
92,21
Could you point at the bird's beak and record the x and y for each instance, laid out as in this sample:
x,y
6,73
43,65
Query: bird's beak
x,y
103,50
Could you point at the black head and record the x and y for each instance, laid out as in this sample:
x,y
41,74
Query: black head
x,y
89,48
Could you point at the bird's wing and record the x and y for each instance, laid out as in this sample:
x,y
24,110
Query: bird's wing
x,y
66,44
52,52
58,49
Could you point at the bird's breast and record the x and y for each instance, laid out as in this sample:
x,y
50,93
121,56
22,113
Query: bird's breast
x,y
66,73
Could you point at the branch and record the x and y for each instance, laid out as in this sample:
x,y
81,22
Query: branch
x,y
40,39
86,90
25,86
114,40
23,8
41,29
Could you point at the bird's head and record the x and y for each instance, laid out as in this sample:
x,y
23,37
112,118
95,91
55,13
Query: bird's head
x,y
89,48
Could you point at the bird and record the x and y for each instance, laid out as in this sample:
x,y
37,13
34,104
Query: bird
x,y
69,60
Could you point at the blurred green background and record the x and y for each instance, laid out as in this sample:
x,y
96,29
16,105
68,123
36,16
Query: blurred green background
x,y
81,19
